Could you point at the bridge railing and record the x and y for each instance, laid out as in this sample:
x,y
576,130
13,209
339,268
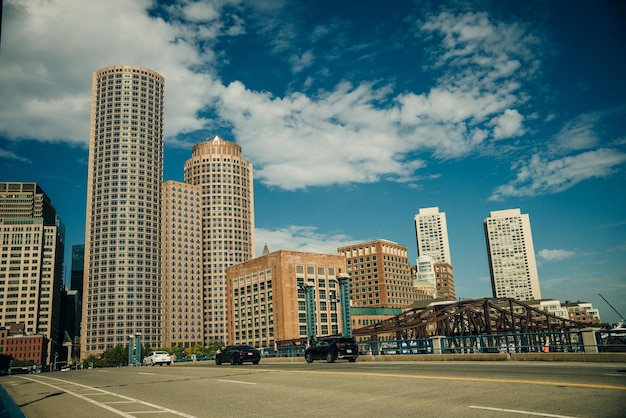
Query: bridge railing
x,y
564,341
536,342
611,341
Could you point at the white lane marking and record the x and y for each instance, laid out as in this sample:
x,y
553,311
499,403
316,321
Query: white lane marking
x,y
614,374
103,405
541,414
236,381
147,374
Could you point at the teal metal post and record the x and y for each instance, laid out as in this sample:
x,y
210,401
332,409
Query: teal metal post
x,y
131,346
138,349
311,328
344,286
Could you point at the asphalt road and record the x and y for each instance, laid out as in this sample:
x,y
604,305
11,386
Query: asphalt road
x,y
433,389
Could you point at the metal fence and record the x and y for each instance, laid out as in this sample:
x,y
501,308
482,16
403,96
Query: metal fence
x,y
389,347
559,342
563,341
611,341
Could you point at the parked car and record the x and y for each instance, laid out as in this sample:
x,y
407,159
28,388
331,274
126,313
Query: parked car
x,y
331,349
158,357
238,354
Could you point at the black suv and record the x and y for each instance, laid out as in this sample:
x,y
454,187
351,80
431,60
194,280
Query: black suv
x,y
331,349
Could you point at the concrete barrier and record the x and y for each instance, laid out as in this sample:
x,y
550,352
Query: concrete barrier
x,y
573,357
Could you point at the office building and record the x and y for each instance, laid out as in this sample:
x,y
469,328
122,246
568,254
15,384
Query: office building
x,y
511,255
551,306
444,281
26,200
267,300
181,250
224,178
380,274
77,268
32,245
425,269
582,312
431,232
122,282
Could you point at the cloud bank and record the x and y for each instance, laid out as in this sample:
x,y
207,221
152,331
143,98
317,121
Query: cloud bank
x,y
355,131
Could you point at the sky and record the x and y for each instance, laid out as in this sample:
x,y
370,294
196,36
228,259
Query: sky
x,y
355,118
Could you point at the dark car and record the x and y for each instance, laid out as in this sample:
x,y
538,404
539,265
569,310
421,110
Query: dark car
x,y
237,354
331,349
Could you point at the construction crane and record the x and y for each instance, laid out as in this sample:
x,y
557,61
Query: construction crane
x,y
620,324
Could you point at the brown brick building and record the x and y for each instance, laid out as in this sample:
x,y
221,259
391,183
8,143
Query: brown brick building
x,y
266,305
380,274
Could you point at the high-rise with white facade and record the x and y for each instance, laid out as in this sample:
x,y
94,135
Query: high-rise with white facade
x,y
122,261
511,254
224,178
32,245
431,232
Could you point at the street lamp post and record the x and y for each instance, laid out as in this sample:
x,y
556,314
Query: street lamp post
x,y
344,286
311,329
138,348
131,345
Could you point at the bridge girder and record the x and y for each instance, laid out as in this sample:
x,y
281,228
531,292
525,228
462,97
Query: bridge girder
x,y
469,317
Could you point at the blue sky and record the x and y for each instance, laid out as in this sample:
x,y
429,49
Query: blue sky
x,y
355,117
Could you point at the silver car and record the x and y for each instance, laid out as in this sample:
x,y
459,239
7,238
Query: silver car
x,y
158,357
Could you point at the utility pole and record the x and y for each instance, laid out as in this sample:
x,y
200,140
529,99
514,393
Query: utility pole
x,y
621,321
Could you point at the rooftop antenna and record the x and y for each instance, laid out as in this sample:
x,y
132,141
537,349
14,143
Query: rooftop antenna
x,y
621,322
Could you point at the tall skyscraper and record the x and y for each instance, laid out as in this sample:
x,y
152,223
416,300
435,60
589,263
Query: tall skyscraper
x,y
181,260
32,245
225,180
431,231
122,265
511,254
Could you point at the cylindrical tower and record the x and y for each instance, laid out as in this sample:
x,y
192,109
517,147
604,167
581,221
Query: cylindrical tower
x,y
225,178
122,269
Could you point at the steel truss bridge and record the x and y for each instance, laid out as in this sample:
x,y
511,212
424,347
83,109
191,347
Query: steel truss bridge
x,y
469,317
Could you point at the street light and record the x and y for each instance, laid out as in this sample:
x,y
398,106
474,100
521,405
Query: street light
x,y
311,329
344,286
138,348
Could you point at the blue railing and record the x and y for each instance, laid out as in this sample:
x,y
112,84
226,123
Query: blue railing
x,y
515,343
611,341
566,341
410,346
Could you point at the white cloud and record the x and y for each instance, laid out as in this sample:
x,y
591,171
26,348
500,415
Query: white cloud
x,y
542,176
361,132
555,255
579,133
10,155
50,50
299,238
300,62
508,125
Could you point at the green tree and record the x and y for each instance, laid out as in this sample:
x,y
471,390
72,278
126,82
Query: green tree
x,y
92,360
116,356
215,345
